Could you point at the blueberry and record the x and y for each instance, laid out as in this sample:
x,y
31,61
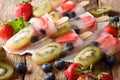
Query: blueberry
x,y
66,14
94,43
42,32
70,46
47,67
63,54
60,64
21,68
49,76
34,39
114,19
76,29
73,14
103,56
111,60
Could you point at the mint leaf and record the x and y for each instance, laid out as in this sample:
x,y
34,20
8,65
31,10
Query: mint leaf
x,y
18,24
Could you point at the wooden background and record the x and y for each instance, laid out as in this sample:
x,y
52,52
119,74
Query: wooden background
x,y
35,73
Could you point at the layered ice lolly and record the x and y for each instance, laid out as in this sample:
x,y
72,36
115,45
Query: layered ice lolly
x,y
104,43
46,7
45,26
70,9
68,43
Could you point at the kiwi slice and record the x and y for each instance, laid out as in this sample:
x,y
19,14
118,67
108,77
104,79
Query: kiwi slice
x,y
6,71
44,7
98,11
88,56
55,15
20,40
47,53
62,28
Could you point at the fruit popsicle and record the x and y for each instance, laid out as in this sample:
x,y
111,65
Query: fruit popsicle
x,y
85,22
70,9
61,45
109,44
104,43
46,7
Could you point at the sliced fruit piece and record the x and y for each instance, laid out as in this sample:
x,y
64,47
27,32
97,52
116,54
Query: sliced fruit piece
x,y
44,7
98,11
47,53
69,5
68,37
55,15
20,40
2,53
88,56
6,71
61,29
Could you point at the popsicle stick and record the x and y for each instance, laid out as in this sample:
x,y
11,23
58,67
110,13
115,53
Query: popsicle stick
x,y
86,34
62,20
102,18
84,3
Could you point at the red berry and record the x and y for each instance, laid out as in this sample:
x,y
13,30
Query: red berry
x,y
73,71
105,76
24,10
111,30
6,32
86,77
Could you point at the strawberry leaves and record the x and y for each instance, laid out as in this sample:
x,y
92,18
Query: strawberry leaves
x,y
18,24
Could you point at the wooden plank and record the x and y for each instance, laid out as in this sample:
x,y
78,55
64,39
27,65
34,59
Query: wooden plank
x,y
13,60
115,4
116,68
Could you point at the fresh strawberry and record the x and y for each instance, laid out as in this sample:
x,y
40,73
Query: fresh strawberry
x,y
86,77
68,37
73,71
24,10
68,6
105,76
6,32
111,30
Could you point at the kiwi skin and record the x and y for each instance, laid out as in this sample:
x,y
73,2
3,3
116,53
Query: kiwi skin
x,y
90,58
10,70
47,53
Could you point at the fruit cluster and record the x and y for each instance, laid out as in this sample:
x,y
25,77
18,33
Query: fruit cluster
x,y
77,72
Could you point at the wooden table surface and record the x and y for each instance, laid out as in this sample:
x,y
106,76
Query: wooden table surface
x,y
35,72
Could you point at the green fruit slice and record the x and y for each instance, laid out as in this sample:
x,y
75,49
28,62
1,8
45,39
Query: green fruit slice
x,y
61,29
20,40
6,71
55,15
47,53
88,56
44,7
98,11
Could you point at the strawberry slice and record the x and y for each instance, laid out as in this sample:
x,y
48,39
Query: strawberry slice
x,y
69,5
90,22
107,41
68,37
40,23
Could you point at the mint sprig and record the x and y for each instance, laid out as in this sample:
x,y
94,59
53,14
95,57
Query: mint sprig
x,y
18,24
